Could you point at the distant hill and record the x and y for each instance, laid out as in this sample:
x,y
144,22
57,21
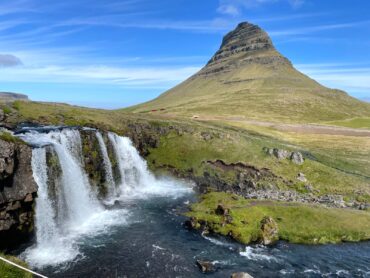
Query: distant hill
x,y
6,96
247,77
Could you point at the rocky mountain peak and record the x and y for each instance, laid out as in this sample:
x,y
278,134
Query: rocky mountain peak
x,y
246,44
246,37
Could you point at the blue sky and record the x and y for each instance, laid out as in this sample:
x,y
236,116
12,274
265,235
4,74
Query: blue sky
x,y
110,54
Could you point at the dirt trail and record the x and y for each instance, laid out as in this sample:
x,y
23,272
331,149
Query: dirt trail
x,y
299,128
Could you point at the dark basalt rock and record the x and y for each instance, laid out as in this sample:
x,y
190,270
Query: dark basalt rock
x,y
17,192
206,266
93,161
247,44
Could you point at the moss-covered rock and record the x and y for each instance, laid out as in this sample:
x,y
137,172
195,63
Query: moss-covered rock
x,y
269,231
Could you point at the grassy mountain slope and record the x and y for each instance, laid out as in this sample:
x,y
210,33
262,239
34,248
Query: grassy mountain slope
x,y
248,78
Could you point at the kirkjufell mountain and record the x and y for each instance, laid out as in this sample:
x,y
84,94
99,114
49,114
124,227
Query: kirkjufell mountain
x,y
248,77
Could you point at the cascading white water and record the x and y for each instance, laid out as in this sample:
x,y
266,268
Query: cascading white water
x,y
133,169
107,167
136,180
45,221
76,190
76,212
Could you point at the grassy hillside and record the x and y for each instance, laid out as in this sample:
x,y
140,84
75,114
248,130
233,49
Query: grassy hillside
x,y
256,84
336,164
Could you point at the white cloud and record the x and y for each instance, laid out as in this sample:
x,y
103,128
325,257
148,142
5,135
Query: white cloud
x,y
313,29
130,76
235,7
228,10
352,78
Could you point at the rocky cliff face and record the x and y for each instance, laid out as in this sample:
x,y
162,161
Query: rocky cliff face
x,y
17,193
247,44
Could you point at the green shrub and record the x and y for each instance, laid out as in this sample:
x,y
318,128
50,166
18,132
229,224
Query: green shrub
x,y
7,110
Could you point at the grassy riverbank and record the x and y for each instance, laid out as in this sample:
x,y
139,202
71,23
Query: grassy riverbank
x,y
9,271
297,223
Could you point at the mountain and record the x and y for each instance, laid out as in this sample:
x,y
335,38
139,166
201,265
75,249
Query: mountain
x,y
5,96
248,78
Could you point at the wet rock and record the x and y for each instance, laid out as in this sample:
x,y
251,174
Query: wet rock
x,y
241,275
269,231
206,266
191,223
297,158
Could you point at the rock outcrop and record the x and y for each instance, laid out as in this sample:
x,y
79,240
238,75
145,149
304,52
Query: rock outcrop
x,y
247,44
281,154
17,192
269,231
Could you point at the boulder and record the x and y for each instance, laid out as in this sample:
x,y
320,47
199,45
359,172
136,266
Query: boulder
x,y
221,210
281,154
206,266
297,158
241,275
269,233
301,177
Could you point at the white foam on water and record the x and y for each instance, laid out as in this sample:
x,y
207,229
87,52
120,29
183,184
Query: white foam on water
x,y
257,254
216,241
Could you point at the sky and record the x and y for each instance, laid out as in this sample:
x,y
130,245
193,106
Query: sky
x,y
111,54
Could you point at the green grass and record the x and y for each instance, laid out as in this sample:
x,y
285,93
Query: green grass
x,y
189,152
297,223
342,161
6,136
354,123
9,271
260,92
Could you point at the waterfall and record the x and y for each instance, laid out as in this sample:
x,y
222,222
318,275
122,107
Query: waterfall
x,y
107,167
136,180
45,219
75,185
67,208
133,169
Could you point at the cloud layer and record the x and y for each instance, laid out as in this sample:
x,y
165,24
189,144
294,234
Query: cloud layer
x,y
7,60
